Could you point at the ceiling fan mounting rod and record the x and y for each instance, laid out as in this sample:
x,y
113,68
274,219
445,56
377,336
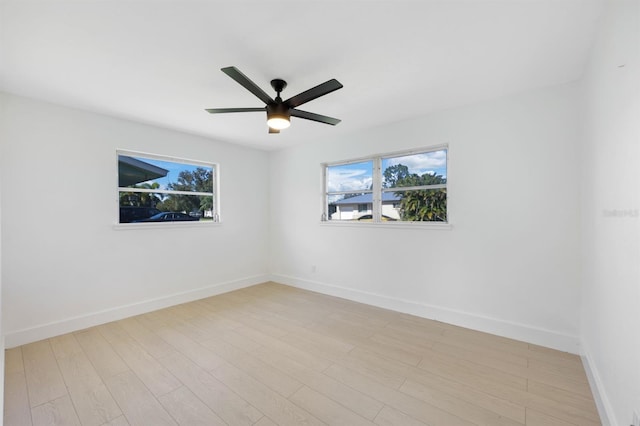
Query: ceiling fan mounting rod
x,y
278,85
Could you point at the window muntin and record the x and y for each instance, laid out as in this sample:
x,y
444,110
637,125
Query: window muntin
x,y
153,188
402,187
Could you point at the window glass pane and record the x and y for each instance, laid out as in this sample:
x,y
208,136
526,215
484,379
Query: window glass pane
x,y
427,168
155,189
147,207
424,205
350,177
150,173
349,206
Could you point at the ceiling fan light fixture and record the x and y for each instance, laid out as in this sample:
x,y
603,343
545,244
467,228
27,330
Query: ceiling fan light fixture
x,y
278,116
278,122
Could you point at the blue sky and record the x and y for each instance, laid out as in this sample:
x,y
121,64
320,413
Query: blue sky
x,y
358,176
174,170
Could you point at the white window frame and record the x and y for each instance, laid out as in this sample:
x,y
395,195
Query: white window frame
x,y
216,217
377,191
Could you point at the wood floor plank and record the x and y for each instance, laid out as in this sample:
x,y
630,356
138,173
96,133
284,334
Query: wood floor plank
x,y
307,358
391,417
57,412
137,402
415,347
498,388
101,354
196,352
421,329
120,421
157,378
374,371
502,344
311,346
480,355
13,361
148,340
472,373
272,404
279,381
255,323
358,320
265,421
16,399
464,409
562,396
187,409
536,418
360,403
334,344
445,385
416,408
227,404
326,409
560,377
93,403
238,340
388,348
44,380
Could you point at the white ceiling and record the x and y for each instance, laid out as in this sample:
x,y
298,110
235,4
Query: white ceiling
x,y
159,62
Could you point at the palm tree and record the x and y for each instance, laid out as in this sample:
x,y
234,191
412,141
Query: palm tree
x,y
141,199
422,204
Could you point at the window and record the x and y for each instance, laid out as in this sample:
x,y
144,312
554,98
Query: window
x,y
347,186
152,188
399,187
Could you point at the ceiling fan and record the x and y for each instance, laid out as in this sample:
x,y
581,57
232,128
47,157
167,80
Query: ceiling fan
x,y
278,111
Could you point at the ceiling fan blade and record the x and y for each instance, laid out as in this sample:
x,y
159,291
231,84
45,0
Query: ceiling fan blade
x,y
223,110
273,130
314,117
313,93
244,81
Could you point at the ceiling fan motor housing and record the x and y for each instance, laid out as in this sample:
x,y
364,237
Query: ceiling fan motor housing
x,y
278,110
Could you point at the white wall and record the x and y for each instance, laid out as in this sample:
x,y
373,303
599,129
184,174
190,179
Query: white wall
x,y
64,266
510,262
2,115
611,209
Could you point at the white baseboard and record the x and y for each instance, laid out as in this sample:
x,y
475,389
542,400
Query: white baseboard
x,y
597,389
56,328
512,330
2,374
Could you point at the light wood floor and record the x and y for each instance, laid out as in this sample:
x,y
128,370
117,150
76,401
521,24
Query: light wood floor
x,y
275,355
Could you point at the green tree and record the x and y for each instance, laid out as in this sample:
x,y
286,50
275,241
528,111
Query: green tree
x,y
393,174
422,204
199,180
141,199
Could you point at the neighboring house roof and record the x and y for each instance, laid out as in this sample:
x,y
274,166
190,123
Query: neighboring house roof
x,y
132,171
389,197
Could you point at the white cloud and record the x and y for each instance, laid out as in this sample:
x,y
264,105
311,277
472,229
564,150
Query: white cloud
x,y
348,180
428,162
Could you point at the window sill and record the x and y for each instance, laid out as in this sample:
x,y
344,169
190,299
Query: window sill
x,y
395,225
129,226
